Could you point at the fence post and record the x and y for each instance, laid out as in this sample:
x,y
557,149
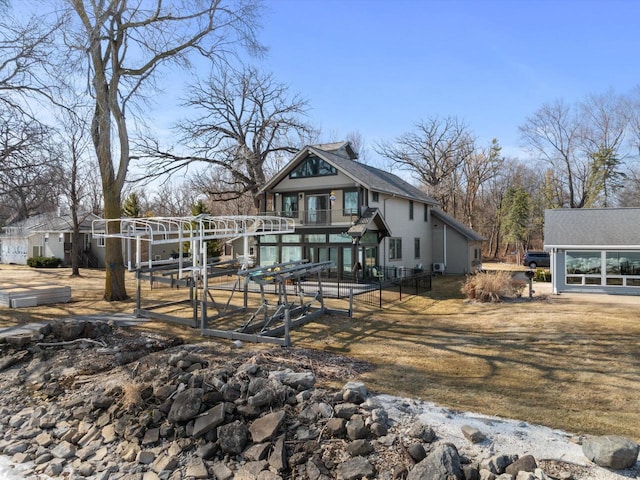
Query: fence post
x,y
380,295
400,288
351,302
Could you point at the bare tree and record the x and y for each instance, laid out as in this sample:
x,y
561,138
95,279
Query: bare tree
x,y
123,45
356,139
433,153
490,205
582,145
76,187
246,121
25,51
171,200
606,122
30,165
477,170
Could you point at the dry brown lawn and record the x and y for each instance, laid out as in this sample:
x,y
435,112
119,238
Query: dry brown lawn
x,y
570,362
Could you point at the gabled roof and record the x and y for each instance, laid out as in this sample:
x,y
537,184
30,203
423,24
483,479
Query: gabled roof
x,y
592,227
370,216
460,227
341,156
49,222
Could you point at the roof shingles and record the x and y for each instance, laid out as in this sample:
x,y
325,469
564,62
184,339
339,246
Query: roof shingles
x,y
616,227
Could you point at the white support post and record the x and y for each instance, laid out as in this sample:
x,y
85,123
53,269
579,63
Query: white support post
x,y
245,247
138,252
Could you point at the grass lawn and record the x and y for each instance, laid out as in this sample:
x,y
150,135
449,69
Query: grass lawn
x,y
570,361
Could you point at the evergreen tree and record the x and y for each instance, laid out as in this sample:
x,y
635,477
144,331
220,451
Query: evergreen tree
x,y
131,206
214,247
516,215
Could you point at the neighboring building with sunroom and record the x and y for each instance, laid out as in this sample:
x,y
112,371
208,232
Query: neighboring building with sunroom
x,y
594,250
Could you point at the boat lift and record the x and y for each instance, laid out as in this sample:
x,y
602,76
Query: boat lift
x,y
194,272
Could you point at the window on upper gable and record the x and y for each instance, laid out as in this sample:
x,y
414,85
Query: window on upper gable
x,y
313,166
410,209
375,197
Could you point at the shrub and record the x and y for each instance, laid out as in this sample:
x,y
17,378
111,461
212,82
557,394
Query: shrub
x,y
44,262
542,275
491,286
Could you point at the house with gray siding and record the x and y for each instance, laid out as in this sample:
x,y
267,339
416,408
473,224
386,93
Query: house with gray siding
x,y
594,250
360,217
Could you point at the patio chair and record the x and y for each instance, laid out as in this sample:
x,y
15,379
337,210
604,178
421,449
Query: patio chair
x,y
377,275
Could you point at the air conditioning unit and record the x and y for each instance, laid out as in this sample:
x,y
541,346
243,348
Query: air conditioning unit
x,y
438,267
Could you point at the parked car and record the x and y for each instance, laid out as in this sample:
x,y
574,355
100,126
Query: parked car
x,y
537,259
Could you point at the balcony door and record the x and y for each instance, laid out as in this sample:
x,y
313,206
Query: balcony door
x,y
317,209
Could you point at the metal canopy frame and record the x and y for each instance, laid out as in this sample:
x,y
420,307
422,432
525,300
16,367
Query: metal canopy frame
x,y
194,273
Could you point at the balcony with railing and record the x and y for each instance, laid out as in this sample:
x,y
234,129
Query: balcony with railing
x,y
319,218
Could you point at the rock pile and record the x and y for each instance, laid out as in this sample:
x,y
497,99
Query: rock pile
x,y
180,413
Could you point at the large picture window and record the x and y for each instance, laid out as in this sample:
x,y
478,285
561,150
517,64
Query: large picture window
x,y
623,263
584,263
395,249
611,268
313,166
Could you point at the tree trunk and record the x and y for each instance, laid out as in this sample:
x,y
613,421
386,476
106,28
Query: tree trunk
x,y
115,289
75,246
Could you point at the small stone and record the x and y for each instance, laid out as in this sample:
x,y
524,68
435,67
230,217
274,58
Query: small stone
x,y
526,463
417,452
196,468
360,447
267,426
473,434
109,433
64,450
145,457
355,468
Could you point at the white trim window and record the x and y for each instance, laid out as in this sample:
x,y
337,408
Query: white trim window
x,y
395,249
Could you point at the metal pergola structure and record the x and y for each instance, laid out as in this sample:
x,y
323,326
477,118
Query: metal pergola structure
x,y
195,270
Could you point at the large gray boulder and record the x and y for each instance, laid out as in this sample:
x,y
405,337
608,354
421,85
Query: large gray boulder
x,y
186,405
611,451
233,437
267,426
443,463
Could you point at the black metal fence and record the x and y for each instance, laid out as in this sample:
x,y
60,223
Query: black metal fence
x,y
370,291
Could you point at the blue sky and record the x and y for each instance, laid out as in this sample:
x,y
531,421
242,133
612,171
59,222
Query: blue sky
x,y
378,67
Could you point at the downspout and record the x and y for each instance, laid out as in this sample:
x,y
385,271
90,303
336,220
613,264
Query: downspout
x,y
384,240
554,277
444,244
